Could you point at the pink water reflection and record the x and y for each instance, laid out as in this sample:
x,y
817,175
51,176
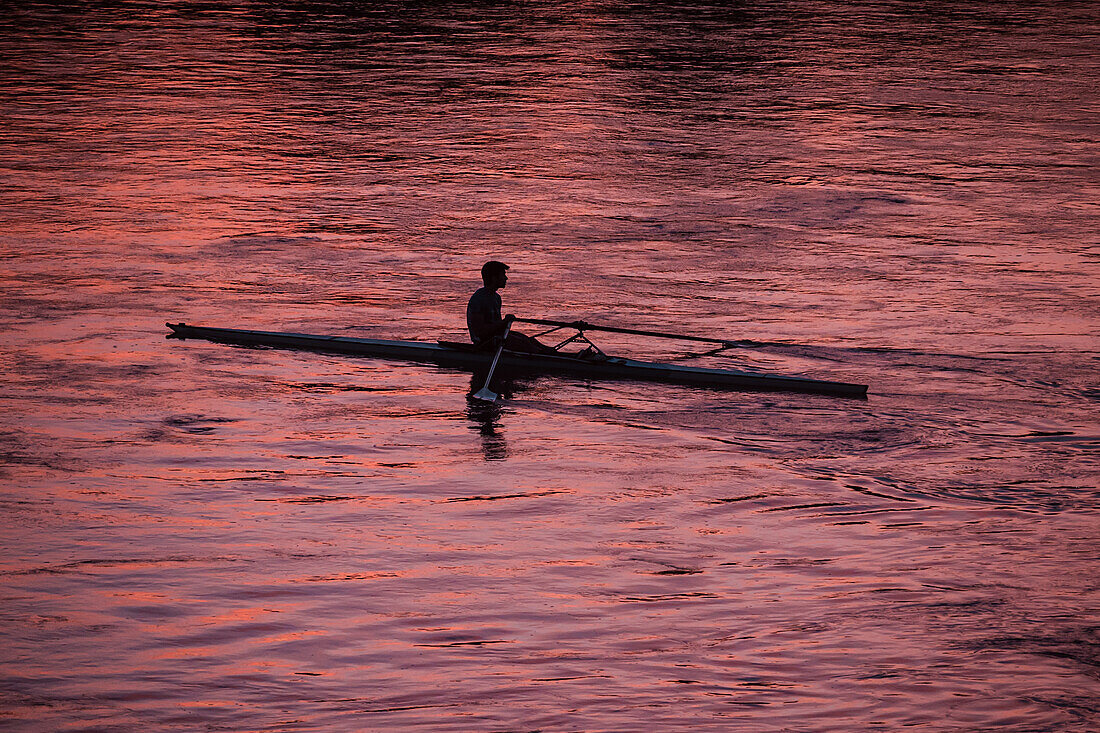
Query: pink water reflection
x,y
203,536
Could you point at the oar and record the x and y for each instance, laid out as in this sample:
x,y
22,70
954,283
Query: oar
x,y
582,326
485,394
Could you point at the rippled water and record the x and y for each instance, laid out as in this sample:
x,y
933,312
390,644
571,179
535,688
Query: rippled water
x,y
207,537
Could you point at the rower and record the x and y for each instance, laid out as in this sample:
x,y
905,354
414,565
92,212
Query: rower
x,y
485,322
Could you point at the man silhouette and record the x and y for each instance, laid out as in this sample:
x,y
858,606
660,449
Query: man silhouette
x,y
484,320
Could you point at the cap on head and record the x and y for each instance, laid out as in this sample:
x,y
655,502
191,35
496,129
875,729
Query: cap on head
x,y
491,269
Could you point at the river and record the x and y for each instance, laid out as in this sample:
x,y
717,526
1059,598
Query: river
x,y
206,537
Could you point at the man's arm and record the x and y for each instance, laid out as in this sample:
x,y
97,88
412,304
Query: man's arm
x,y
492,329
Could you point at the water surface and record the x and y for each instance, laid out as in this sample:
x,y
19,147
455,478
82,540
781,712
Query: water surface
x,y
208,537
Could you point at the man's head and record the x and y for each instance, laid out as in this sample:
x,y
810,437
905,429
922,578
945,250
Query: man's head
x,y
494,274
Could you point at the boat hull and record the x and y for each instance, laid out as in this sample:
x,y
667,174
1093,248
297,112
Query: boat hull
x,y
453,355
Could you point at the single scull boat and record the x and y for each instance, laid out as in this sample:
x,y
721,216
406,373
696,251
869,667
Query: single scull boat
x,y
465,356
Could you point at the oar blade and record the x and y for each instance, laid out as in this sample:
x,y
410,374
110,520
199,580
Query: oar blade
x,y
485,395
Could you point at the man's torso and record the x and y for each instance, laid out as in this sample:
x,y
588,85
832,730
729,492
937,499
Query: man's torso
x,y
482,314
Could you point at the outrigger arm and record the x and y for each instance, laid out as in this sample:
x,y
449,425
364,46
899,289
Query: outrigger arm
x,y
583,326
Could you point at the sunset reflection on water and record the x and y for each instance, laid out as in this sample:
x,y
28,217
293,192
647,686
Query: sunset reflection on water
x,y
205,536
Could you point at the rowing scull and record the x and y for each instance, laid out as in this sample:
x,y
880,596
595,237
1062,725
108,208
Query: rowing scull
x,y
464,356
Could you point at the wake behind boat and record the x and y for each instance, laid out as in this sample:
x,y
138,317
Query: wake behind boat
x,y
595,365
